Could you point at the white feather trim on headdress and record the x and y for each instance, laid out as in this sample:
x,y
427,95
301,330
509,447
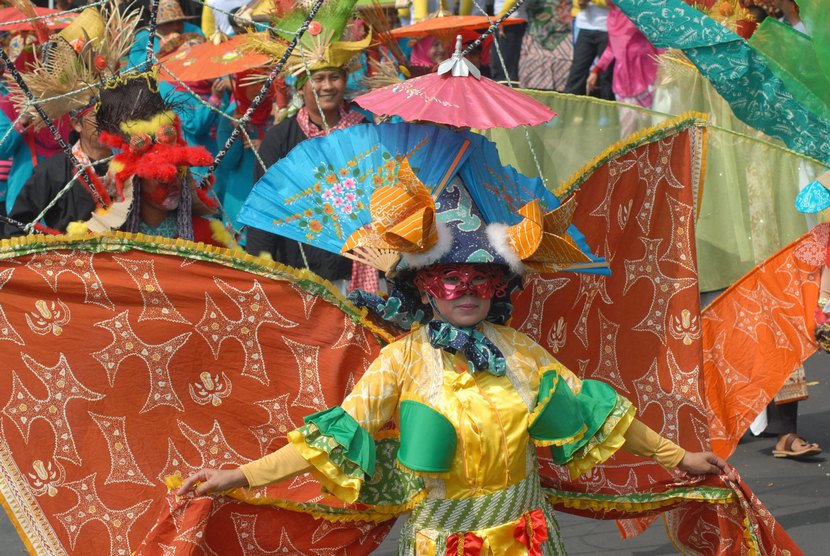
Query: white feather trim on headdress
x,y
497,234
434,254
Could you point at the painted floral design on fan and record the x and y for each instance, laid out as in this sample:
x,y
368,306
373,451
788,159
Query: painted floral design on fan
x,y
48,317
335,195
338,193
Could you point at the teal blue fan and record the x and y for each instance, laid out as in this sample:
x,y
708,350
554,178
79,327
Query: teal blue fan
x,y
319,193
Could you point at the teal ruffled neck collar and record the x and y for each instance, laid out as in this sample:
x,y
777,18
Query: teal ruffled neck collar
x,y
480,351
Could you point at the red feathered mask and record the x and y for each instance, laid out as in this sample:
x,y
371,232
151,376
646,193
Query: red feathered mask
x,y
157,156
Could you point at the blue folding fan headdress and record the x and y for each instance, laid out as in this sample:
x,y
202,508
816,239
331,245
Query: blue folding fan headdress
x,y
376,192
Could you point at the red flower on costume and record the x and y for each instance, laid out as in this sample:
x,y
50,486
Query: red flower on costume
x,y
468,544
531,531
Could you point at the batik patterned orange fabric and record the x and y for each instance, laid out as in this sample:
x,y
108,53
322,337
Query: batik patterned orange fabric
x,y
640,331
130,359
757,333
122,367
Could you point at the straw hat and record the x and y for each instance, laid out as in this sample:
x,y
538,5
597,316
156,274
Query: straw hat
x,y
89,25
88,51
321,46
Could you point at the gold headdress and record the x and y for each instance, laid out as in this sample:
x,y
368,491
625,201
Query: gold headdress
x,y
320,47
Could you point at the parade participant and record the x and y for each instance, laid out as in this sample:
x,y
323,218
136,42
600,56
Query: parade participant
x,y
170,21
216,17
324,109
197,103
239,161
634,62
634,59
152,170
86,51
472,398
199,119
427,53
52,175
26,143
509,42
590,41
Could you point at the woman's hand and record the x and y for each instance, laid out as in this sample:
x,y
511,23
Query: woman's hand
x,y
705,463
221,85
591,82
213,480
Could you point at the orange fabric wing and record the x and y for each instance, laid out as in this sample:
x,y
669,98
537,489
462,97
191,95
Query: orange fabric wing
x,y
122,368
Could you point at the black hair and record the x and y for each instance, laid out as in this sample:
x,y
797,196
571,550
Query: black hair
x,y
758,13
133,97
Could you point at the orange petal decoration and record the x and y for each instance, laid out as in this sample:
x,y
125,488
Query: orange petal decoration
x,y
403,216
526,236
542,242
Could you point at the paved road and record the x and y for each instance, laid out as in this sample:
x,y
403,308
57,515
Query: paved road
x,y
797,492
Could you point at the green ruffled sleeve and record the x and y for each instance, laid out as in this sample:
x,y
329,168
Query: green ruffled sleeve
x,y
340,451
582,430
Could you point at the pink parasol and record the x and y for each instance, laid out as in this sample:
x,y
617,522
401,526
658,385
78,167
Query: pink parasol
x,y
8,17
458,96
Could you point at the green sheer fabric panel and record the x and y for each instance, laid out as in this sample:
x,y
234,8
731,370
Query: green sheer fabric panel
x,y
747,213
791,57
738,71
816,17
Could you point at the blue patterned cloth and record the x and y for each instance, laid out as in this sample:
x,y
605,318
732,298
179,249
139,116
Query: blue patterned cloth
x,y
166,228
398,308
736,70
813,198
482,354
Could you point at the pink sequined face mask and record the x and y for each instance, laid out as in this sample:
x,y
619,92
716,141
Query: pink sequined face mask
x,y
451,281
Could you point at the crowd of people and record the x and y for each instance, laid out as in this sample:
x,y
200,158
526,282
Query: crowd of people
x,y
611,60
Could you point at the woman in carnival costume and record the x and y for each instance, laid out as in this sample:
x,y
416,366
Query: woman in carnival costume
x,y
471,397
